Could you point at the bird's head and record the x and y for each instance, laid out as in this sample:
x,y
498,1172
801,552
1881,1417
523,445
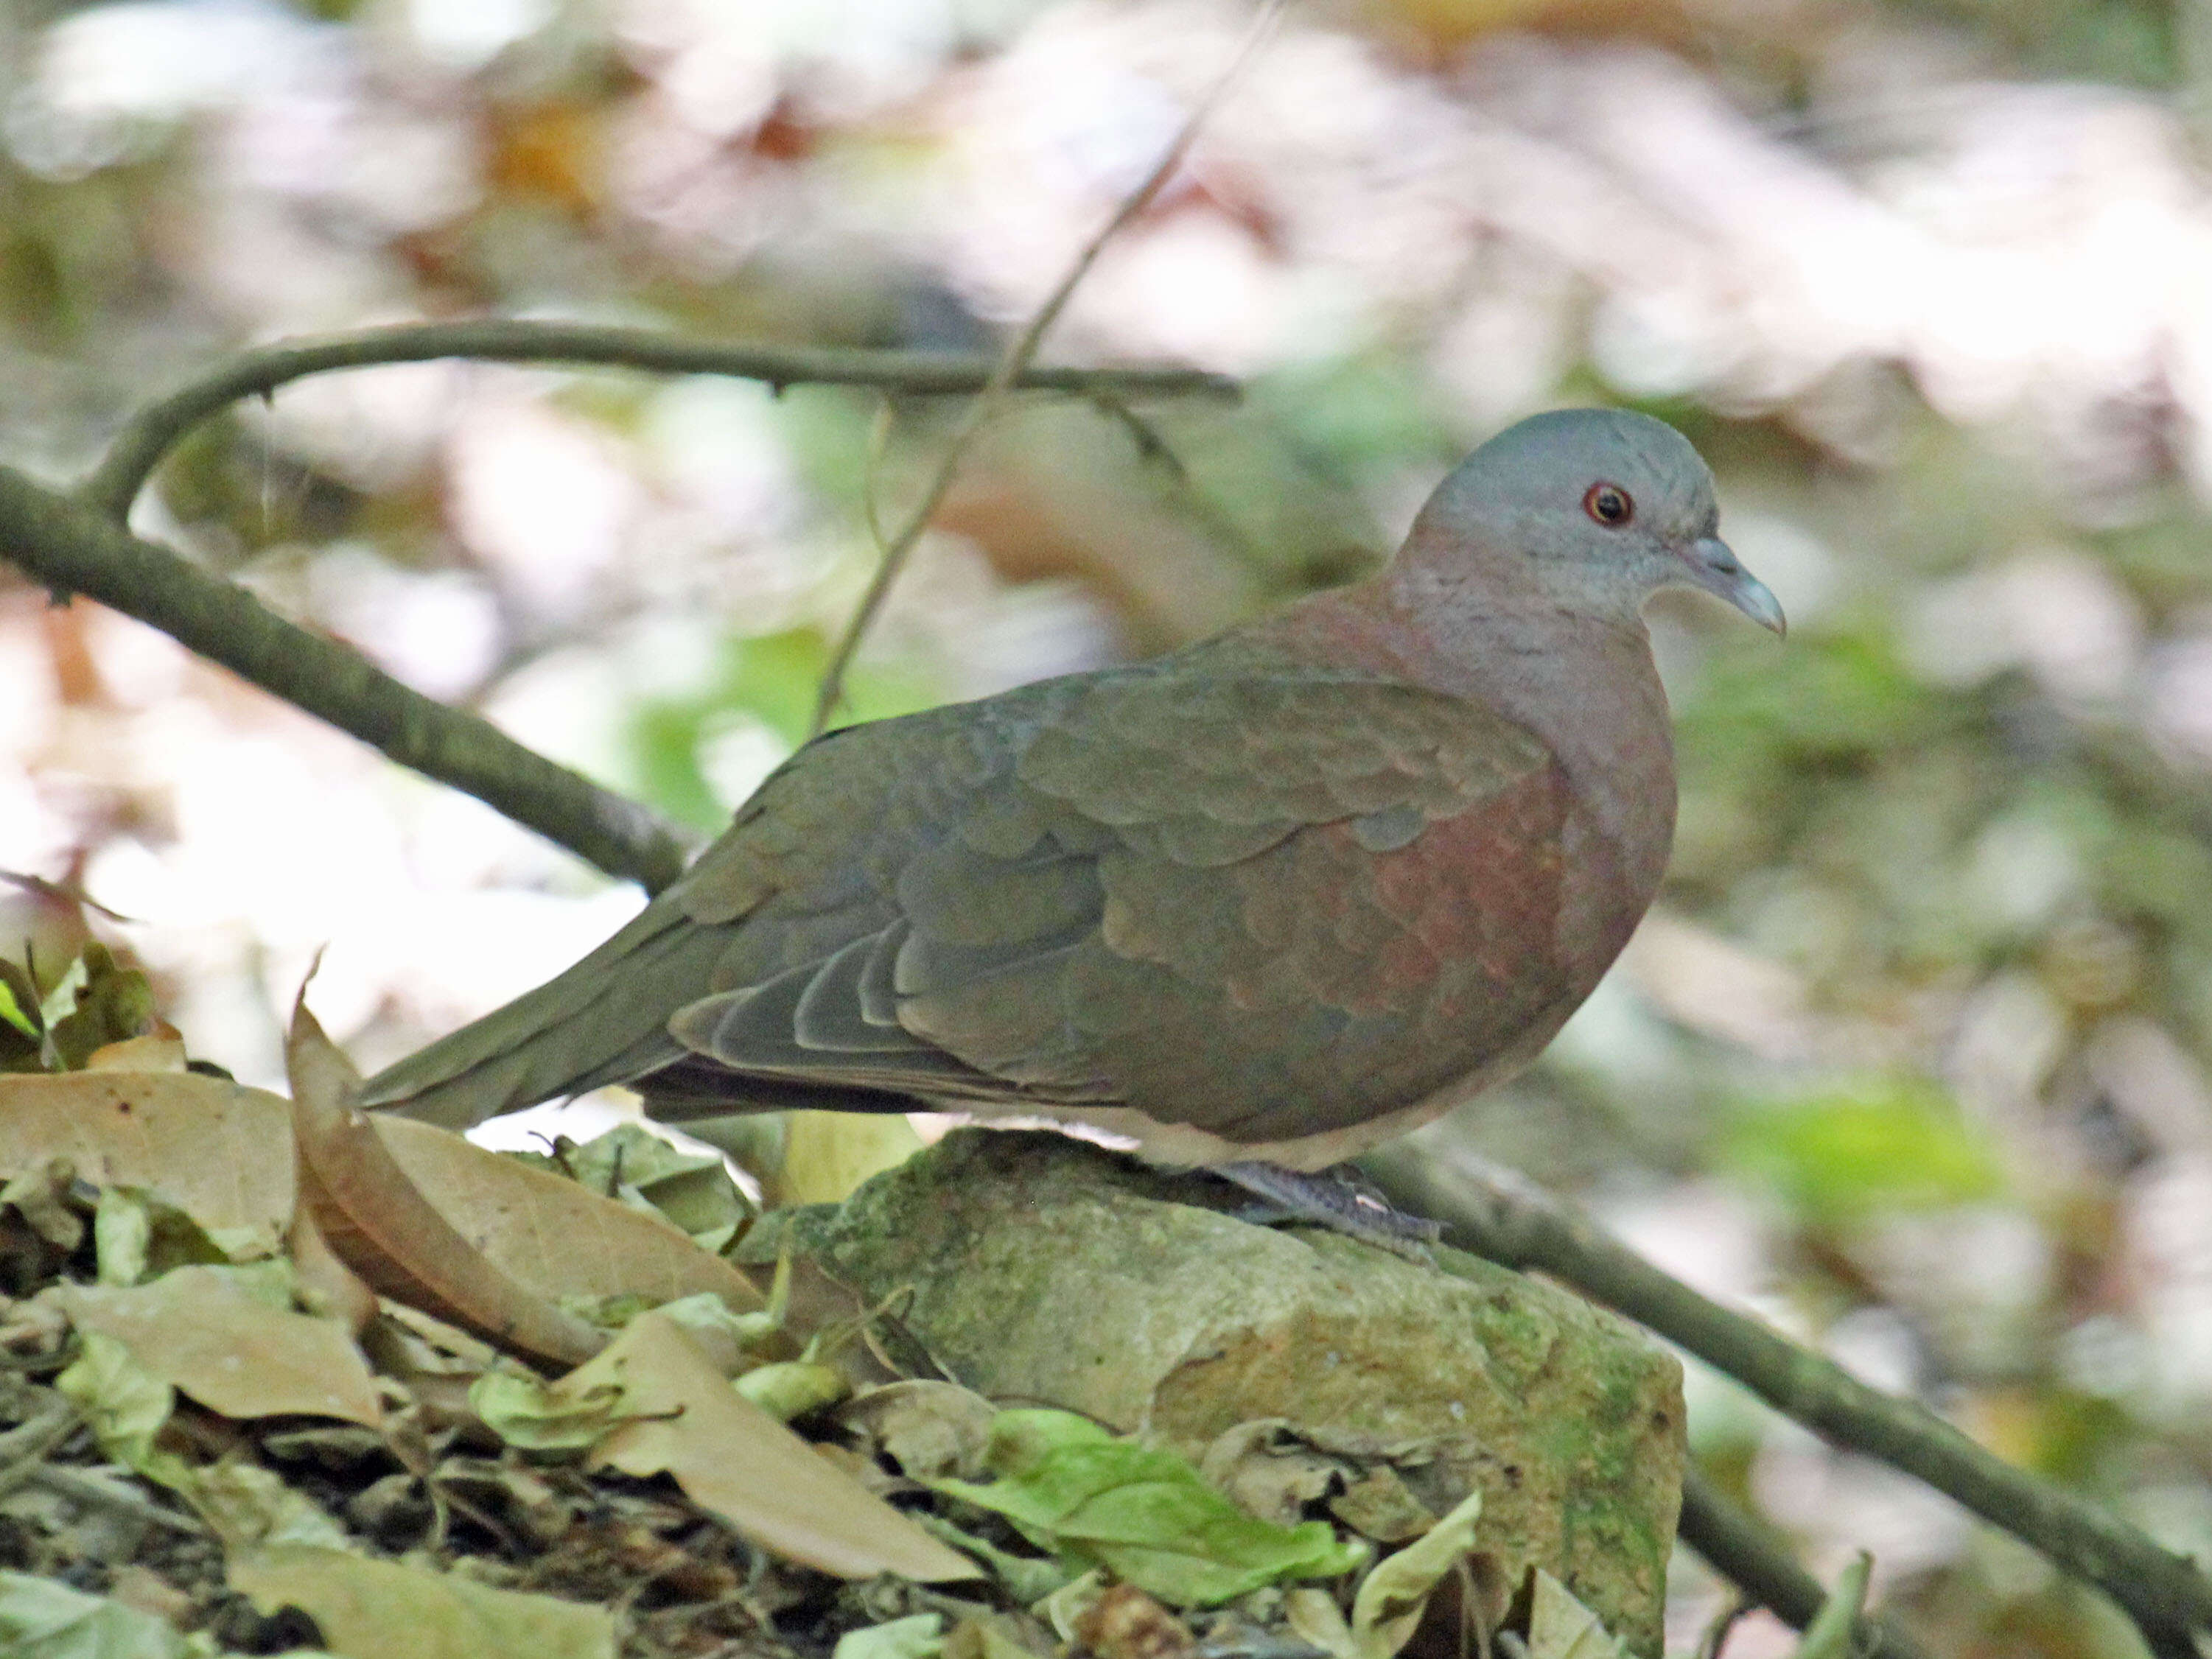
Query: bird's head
x,y
1590,510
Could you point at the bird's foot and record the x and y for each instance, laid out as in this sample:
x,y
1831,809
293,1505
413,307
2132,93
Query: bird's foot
x,y
1339,1199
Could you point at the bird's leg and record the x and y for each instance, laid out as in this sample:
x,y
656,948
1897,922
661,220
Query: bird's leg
x,y
1339,1199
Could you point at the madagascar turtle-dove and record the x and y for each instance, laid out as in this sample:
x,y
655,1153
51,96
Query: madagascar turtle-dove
x,y
1277,896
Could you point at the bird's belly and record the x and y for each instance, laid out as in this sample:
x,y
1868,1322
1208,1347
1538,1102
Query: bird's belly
x,y
1170,1145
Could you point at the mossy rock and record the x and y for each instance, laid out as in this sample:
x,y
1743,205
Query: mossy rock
x,y
1045,1271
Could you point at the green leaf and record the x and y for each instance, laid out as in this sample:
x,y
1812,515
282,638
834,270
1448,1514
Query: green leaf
x,y
125,1404
630,1163
1837,1157
788,1389
126,1407
1391,1598
1145,1515
11,1011
530,1413
43,1618
919,1636
98,1001
370,1609
138,1234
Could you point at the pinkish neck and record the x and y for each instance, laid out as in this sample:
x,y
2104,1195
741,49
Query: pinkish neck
x,y
1585,685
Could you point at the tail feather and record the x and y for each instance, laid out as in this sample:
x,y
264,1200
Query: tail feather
x,y
602,1021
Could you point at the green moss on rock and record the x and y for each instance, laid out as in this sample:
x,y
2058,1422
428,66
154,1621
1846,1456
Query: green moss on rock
x,y
1046,1270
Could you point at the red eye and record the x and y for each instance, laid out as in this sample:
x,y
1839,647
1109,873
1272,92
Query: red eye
x,y
1609,504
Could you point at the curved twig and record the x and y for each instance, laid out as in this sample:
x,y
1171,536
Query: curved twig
x,y
1506,1219
1013,367
148,435
73,549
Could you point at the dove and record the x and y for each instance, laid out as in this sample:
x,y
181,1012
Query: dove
x,y
1273,898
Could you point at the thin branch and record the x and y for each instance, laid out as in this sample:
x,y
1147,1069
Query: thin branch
x,y
1754,1557
153,430
1499,1216
72,548
1013,368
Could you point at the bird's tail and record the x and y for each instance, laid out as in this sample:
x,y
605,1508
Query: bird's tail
x,y
602,1021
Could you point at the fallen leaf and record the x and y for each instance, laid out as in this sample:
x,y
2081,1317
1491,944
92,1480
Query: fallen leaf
x,y
98,1003
931,1430
126,1404
1027,1579
1125,1623
219,1153
788,1389
919,1636
138,1235
986,1636
810,1158
1391,1599
532,1414
122,1402
157,1051
369,1609
381,1225
691,1190
1144,1514
142,1587
551,1235
1268,1472
1314,1618
200,1330
1064,1608
327,1285
43,1618
1380,1506
733,1459
41,1197
249,1507
828,1154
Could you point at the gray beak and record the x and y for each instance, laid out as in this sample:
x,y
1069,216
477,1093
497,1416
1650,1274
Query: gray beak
x,y
1713,566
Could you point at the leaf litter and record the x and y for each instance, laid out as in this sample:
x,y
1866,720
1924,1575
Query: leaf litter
x,y
280,1377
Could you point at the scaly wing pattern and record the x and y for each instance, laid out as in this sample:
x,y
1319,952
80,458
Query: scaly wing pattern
x,y
1264,900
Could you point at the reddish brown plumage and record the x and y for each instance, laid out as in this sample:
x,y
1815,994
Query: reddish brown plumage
x,y
1281,894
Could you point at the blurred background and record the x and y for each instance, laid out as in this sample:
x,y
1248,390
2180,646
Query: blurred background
x,y
1912,1057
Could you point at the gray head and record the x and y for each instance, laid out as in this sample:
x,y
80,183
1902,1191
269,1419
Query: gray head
x,y
1592,510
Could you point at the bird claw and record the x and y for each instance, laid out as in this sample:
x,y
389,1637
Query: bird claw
x,y
1338,1199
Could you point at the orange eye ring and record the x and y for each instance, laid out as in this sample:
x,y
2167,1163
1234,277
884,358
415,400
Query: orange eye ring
x,y
1609,505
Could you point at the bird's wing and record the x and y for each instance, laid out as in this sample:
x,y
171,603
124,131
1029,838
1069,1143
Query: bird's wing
x,y
1242,901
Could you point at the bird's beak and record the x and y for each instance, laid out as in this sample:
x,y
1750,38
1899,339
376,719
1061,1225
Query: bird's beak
x,y
1714,567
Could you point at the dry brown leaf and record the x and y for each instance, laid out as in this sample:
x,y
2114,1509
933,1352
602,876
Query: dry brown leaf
x,y
1264,1468
380,1223
1381,1506
1125,1623
218,1151
551,1235
1561,1627
735,1460
931,1430
369,1609
162,1050
196,1330
326,1284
